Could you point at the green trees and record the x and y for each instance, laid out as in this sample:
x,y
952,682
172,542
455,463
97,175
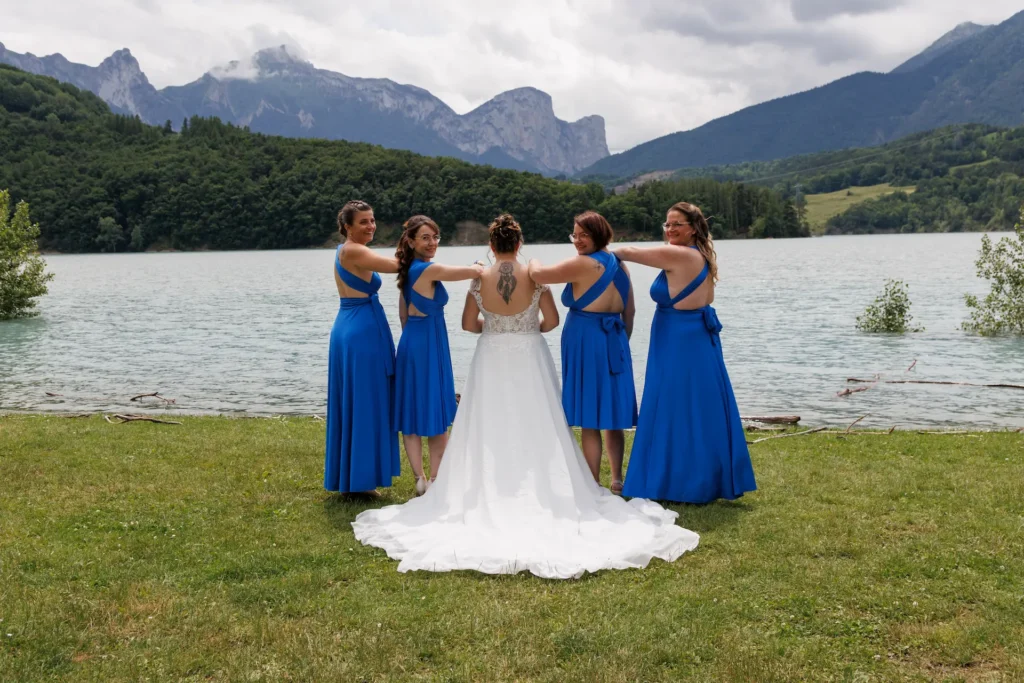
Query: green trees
x,y
101,182
1002,310
890,312
22,276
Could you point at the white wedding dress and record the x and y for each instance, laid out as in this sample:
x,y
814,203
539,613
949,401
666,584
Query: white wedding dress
x,y
513,492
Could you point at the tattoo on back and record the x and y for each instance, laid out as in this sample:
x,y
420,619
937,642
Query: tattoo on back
x,y
506,281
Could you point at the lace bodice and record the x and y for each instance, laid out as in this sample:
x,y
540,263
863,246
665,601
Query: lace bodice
x,y
524,322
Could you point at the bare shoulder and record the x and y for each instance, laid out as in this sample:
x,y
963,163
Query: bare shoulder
x,y
689,256
354,249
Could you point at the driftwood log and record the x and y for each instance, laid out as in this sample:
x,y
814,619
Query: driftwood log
x,y
773,419
847,392
927,381
138,418
783,436
155,394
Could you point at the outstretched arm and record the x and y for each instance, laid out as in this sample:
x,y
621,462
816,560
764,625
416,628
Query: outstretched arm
x,y
438,271
665,257
569,270
471,318
361,256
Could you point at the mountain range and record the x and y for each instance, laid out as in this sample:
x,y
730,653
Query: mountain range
x,y
278,93
973,74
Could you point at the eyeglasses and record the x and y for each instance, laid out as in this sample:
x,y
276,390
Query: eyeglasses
x,y
436,239
573,237
668,226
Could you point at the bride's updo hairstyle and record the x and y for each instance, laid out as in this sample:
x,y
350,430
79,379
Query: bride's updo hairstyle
x,y
505,234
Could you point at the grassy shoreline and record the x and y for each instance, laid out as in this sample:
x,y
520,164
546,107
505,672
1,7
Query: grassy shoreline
x,y
209,551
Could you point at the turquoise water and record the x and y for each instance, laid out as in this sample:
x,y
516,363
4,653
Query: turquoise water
x,y
246,332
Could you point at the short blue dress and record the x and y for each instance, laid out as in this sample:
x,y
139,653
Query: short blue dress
x,y
598,390
424,382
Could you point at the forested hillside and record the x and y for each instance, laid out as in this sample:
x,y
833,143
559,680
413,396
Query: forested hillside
x,y
103,182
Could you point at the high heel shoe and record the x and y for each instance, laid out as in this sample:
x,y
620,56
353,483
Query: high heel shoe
x,y
421,486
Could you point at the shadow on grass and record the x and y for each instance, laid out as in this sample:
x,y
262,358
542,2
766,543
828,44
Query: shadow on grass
x,y
709,517
341,508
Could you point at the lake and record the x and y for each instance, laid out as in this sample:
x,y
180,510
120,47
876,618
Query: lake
x,y
247,332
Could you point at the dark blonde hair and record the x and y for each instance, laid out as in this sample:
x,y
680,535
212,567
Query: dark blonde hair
x,y
348,214
597,226
405,252
505,234
701,235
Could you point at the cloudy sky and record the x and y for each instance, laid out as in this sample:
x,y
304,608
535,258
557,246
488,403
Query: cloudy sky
x,y
650,67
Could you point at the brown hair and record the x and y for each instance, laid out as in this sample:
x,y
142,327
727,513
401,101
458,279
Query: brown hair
x,y
701,235
405,252
505,234
348,214
597,226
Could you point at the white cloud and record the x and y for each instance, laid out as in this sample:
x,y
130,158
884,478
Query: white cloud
x,y
650,67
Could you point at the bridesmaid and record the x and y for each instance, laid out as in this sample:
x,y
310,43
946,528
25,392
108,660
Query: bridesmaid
x,y
424,385
362,445
597,370
689,445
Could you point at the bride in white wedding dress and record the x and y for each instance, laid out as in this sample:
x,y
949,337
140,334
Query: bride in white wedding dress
x,y
513,492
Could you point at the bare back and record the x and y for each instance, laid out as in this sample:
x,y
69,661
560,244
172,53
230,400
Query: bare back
x,y
685,270
506,288
344,291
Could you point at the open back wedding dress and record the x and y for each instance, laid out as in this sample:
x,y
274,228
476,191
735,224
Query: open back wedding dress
x,y
513,492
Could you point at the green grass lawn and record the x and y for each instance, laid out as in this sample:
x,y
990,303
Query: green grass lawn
x,y
821,207
210,552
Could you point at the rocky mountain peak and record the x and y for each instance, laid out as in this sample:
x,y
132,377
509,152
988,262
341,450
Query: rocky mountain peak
x,y
123,62
279,56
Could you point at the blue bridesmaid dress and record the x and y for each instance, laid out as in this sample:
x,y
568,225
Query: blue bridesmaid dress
x,y
598,390
362,445
424,383
689,445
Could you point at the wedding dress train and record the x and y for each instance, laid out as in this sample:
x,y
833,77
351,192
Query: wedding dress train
x,y
513,492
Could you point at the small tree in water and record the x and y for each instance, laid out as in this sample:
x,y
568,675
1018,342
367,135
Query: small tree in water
x,y
22,276
1002,311
890,312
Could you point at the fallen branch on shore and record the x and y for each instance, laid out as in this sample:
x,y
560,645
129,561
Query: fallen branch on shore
x,y
926,381
855,422
155,394
138,418
783,436
769,428
74,415
773,419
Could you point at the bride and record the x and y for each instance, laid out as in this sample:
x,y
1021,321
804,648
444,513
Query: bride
x,y
513,492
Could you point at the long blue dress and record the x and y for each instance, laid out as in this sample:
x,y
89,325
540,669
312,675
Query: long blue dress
x,y
362,445
598,391
424,383
689,445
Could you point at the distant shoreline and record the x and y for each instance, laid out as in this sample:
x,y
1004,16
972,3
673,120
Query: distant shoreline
x,y
625,239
